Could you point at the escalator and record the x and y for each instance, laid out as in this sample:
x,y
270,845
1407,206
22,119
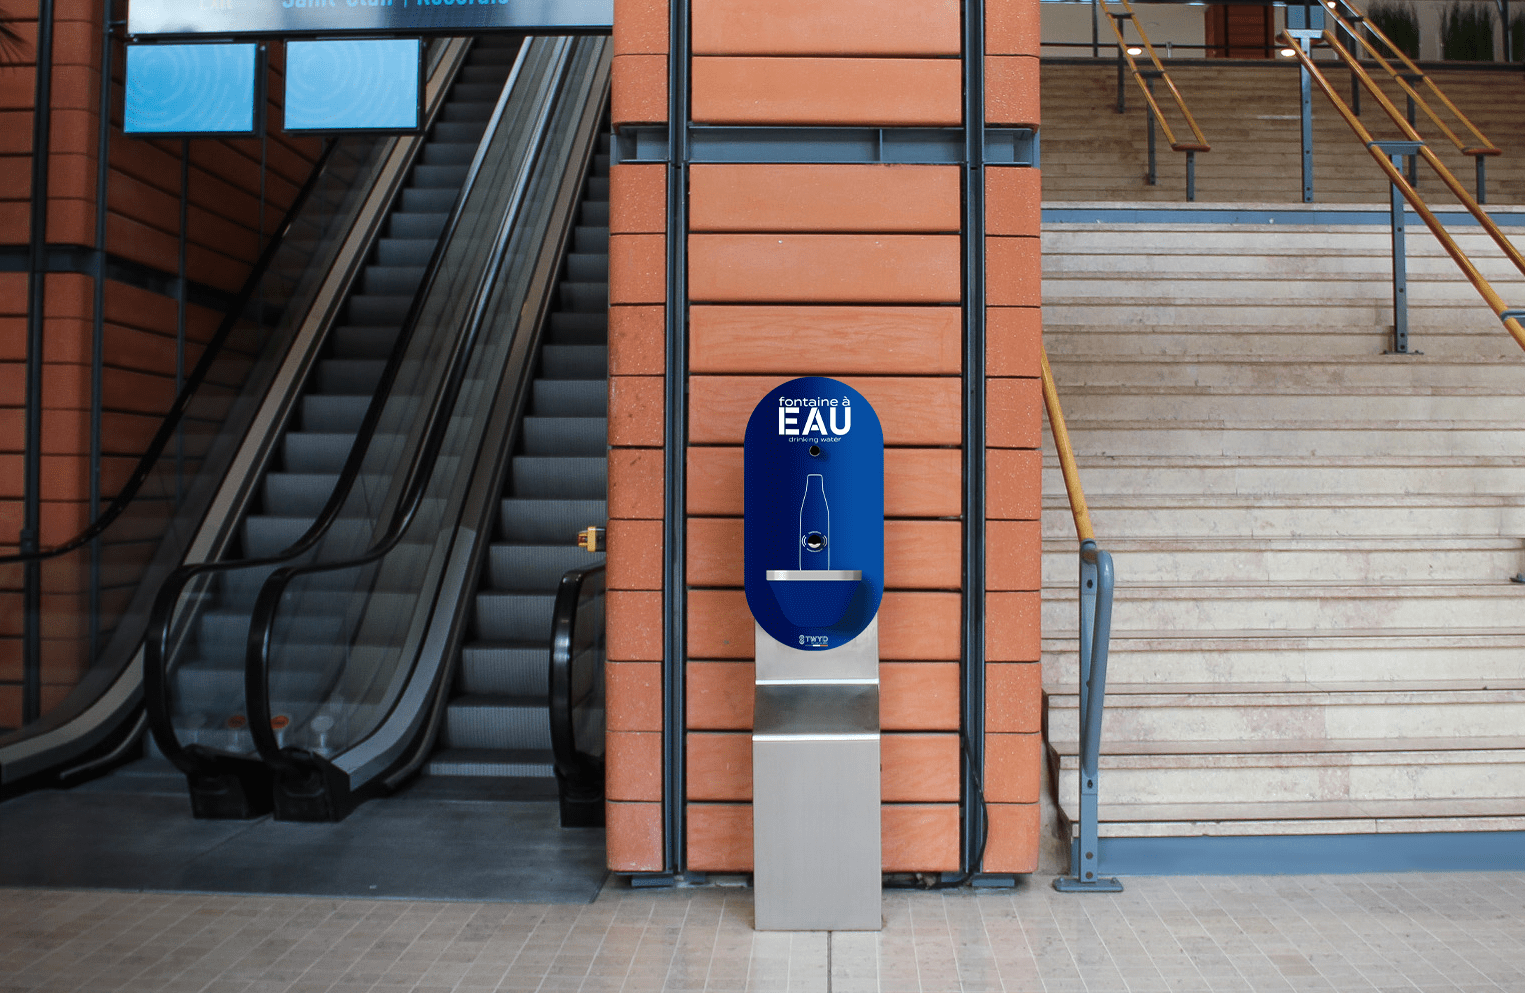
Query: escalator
x,y
176,504
309,456
309,667
496,720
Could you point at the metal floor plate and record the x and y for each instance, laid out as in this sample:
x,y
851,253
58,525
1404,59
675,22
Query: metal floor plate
x,y
436,840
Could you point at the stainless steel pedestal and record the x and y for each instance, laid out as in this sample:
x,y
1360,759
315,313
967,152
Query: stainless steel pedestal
x,y
815,786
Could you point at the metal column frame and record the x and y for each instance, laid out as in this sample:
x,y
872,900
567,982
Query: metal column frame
x,y
675,449
98,313
1397,151
36,314
972,682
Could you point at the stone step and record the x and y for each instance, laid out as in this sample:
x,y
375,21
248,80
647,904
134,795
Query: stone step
x,y
1275,516
1292,656
1230,477
1157,405
1140,716
1301,560
1331,610
1205,818
1295,436
1458,769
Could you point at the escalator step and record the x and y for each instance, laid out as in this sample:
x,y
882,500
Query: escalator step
x,y
568,329
429,200
482,721
567,478
316,452
595,213
598,188
428,176
505,670
569,398
357,341
482,74
574,362
590,239
379,310
457,131
588,297
514,616
417,225
391,280
449,153
548,522
404,251
529,568
477,92
334,413
601,160
298,494
466,110
584,436
355,377
266,535
490,762
498,56
587,267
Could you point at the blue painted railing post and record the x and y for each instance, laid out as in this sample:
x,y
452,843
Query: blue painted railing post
x,y
1096,582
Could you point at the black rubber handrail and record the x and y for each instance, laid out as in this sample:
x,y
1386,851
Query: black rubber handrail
x,y
156,641
576,768
171,422
421,466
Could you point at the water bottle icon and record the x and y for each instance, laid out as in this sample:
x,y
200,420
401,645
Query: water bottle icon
x,y
815,524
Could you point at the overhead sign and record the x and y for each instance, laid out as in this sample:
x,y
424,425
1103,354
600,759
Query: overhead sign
x,y
297,17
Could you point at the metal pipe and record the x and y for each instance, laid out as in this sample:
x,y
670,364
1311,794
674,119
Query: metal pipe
x,y
973,681
36,316
675,450
98,319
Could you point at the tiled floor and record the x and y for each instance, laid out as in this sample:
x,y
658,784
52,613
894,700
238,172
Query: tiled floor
x,y
1294,933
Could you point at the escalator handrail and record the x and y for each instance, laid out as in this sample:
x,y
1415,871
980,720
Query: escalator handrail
x,y
156,640
171,422
426,454
571,764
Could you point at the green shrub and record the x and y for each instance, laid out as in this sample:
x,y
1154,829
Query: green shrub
x,y
1399,22
1466,32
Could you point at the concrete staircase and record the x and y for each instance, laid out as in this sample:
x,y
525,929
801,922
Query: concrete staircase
x,y
1315,629
1249,113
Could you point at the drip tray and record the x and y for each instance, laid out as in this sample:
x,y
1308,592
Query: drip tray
x,y
439,839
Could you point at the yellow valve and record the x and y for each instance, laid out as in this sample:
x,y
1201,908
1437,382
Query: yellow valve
x,y
591,539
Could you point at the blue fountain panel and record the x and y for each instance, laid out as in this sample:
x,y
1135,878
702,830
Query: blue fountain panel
x,y
814,468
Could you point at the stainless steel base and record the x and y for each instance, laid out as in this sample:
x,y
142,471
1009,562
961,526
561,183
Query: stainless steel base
x,y
815,794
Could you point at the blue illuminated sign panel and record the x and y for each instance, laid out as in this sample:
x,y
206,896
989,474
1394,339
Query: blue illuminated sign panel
x,y
192,89
353,84
295,17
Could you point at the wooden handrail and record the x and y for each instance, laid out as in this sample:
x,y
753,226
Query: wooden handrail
x,y
1485,147
1428,154
1200,143
1395,176
1067,465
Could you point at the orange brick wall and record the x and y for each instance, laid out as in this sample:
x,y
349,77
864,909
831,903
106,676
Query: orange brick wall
x,y
142,225
859,268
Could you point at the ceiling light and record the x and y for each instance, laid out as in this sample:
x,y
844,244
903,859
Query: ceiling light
x,y
1287,53
1132,50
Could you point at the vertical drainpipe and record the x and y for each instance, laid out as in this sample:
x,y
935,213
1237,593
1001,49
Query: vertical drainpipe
x,y
37,261
98,308
675,446
973,670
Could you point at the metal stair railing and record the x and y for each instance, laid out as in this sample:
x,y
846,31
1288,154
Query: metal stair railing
x,y
1385,153
1479,152
1096,584
1145,79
